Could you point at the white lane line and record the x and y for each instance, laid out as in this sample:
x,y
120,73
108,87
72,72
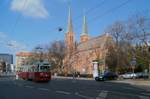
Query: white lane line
x,y
102,95
43,89
28,86
63,92
140,96
86,97
146,94
144,97
130,88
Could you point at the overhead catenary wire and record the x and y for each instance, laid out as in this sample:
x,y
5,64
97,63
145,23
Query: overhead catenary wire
x,y
111,10
107,12
16,23
79,16
18,17
6,41
76,19
90,10
87,12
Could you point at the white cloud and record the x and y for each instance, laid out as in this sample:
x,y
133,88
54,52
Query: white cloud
x,y
33,8
11,44
15,45
2,35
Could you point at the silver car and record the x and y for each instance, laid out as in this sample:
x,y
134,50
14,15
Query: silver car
x,y
128,75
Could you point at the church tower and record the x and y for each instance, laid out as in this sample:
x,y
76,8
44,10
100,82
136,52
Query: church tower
x,y
69,36
84,35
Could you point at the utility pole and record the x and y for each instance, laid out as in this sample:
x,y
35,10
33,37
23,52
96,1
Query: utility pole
x,y
149,60
149,70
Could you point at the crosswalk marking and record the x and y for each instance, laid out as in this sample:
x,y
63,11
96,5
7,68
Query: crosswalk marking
x,y
102,95
144,97
83,96
43,89
146,94
63,92
28,86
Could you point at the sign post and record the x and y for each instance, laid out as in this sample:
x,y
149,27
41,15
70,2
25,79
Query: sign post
x,y
133,63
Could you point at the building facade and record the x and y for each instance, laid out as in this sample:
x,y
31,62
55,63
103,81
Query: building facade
x,y
5,62
80,54
22,58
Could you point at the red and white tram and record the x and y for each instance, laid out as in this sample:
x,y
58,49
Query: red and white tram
x,y
40,71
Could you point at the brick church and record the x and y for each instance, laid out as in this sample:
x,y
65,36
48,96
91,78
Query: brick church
x,y
80,55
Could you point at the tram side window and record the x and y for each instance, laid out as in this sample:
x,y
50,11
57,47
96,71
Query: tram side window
x,y
35,69
44,68
30,70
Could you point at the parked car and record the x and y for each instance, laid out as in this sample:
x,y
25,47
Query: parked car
x,y
128,75
131,75
106,76
142,75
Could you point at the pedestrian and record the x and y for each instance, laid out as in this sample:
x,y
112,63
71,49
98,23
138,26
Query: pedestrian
x,y
78,73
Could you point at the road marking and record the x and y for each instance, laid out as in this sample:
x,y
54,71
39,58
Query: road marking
x,y
43,89
63,92
18,84
121,93
102,95
28,86
145,93
140,96
109,85
130,88
86,97
144,97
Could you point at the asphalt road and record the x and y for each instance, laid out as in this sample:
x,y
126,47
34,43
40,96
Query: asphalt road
x,y
69,89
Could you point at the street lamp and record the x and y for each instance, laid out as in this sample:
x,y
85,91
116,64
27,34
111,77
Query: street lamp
x,y
40,53
149,60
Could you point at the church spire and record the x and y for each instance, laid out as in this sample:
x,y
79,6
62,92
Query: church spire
x,y
84,28
84,35
69,36
70,21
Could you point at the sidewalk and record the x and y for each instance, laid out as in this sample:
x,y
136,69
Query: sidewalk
x,y
135,82
144,84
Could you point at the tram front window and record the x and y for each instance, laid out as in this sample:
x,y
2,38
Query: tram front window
x,y
44,68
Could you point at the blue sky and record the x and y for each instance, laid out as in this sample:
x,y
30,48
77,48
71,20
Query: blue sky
x,y
27,23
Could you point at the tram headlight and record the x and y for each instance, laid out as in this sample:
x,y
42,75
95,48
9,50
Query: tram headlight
x,y
46,75
41,74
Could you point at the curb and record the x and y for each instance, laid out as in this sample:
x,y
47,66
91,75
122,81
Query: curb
x,y
61,77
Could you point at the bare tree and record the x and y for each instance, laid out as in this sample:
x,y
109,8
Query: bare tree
x,y
71,57
2,66
55,55
38,53
141,29
126,36
117,30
